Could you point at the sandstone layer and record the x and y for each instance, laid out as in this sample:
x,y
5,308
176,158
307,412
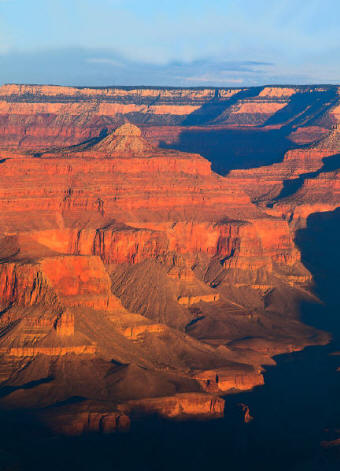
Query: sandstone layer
x,y
133,276
38,116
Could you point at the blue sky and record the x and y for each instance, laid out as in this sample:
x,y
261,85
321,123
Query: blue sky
x,y
176,42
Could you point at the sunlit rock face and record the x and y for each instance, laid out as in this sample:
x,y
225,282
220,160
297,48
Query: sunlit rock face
x,y
133,205
134,276
315,185
38,116
306,181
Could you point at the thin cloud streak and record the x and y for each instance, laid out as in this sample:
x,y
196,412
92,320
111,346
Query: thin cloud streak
x,y
102,67
300,38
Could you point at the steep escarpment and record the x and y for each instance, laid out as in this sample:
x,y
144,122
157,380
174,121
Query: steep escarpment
x,y
48,116
76,338
317,189
38,117
134,275
281,179
106,201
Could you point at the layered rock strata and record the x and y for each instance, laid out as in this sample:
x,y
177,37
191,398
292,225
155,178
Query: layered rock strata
x,y
134,274
37,116
266,184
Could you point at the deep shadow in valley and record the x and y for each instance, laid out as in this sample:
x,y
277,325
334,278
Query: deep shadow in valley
x,y
299,405
216,107
319,245
154,444
229,149
290,187
305,108
251,147
299,401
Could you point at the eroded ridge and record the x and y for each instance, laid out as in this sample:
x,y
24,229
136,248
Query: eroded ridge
x,y
137,277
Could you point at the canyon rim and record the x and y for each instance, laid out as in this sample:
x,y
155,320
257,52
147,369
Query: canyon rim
x,y
150,263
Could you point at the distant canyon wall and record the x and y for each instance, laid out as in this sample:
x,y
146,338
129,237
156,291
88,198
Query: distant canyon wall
x,y
40,116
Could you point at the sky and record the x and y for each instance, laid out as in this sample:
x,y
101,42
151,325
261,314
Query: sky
x,y
175,43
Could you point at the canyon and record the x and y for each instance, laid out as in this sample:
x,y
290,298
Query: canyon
x,y
149,264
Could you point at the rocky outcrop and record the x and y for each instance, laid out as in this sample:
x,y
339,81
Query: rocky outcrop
x,y
126,140
180,406
65,324
307,134
56,281
278,92
271,183
128,244
51,288
206,298
317,189
266,183
93,418
51,351
222,381
245,409
316,195
138,331
80,281
251,112
25,285
84,418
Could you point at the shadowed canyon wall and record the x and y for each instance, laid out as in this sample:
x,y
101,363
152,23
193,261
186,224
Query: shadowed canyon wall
x,y
134,276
